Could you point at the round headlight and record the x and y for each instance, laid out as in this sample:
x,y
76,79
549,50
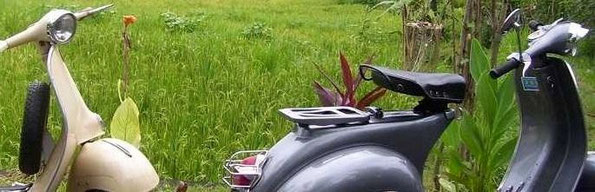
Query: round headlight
x,y
62,29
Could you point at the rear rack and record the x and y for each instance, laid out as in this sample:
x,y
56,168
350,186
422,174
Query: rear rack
x,y
325,115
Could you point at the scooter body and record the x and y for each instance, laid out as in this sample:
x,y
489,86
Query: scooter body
x,y
376,156
552,144
100,164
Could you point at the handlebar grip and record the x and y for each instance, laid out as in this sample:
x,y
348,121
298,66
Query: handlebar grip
x,y
533,24
497,72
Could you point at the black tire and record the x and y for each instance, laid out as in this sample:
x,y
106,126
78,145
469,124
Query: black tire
x,y
34,124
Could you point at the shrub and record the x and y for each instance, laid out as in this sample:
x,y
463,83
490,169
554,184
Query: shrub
x,y
258,30
328,97
485,132
186,24
364,2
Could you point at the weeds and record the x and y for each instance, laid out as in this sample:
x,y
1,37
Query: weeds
x,y
188,24
258,30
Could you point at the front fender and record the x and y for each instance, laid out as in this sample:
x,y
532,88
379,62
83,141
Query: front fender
x,y
361,168
111,165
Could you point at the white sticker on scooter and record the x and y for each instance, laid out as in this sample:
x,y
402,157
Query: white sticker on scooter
x,y
530,84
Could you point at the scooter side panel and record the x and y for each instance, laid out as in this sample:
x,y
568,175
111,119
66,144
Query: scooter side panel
x,y
587,181
552,144
361,168
412,139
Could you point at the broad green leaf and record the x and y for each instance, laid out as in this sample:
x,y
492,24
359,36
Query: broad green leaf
x,y
502,153
471,136
125,124
502,125
451,136
455,165
505,99
479,64
486,97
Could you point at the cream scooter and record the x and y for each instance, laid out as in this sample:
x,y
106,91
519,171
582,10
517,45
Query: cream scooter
x,y
97,164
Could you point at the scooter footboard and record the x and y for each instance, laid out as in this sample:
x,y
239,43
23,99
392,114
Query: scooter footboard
x,y
361,168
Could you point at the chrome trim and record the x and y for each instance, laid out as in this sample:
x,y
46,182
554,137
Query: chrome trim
x,y
234,167
52,17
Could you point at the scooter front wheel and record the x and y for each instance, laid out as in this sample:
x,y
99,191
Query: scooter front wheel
x,y
34,124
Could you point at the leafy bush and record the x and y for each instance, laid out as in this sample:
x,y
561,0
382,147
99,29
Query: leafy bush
x,y
365,2
186,24
485,132
339,98
258,30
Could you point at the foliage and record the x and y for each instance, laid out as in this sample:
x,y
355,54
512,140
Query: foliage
x,y
328,97
392,5
369,31
485,132
258,30
364,2
125,123
186,24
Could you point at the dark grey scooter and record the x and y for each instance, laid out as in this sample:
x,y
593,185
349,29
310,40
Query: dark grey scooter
x,y
345,149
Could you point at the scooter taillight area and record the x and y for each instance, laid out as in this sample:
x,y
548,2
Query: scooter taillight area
x,y
243,169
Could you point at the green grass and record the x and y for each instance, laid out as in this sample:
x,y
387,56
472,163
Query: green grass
x,y
201,95
205,94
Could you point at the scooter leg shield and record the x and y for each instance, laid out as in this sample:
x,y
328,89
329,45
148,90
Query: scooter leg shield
x,y
587,181
111,165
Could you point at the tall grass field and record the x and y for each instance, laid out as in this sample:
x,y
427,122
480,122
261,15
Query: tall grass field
x,y
211,84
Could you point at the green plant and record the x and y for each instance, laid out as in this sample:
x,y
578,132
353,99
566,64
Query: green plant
x,y
328,97
364,2
186,24
485,132
125,123
258,30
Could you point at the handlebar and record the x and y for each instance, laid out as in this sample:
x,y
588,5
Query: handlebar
x,y
504,68
38,31
533,25
80,15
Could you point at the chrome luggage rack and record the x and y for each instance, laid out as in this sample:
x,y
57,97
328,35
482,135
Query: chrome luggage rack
x,y
322,116
235,168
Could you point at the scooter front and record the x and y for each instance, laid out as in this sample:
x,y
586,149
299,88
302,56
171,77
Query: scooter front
x,y
101,164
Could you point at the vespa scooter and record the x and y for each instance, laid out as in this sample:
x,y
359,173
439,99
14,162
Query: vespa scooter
x,y
97,164
345,149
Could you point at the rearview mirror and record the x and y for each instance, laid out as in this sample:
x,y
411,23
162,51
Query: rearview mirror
x,y
512,21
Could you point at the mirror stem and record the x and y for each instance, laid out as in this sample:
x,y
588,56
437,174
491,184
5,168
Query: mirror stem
x,y
517,28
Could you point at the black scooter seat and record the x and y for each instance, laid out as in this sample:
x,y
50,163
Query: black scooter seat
x,y
449,88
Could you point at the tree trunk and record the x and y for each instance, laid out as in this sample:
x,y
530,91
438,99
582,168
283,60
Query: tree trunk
x,y
463,57
436,171
497,19
404,21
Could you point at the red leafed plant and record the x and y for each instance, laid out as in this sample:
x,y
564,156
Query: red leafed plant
x,y
338,97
